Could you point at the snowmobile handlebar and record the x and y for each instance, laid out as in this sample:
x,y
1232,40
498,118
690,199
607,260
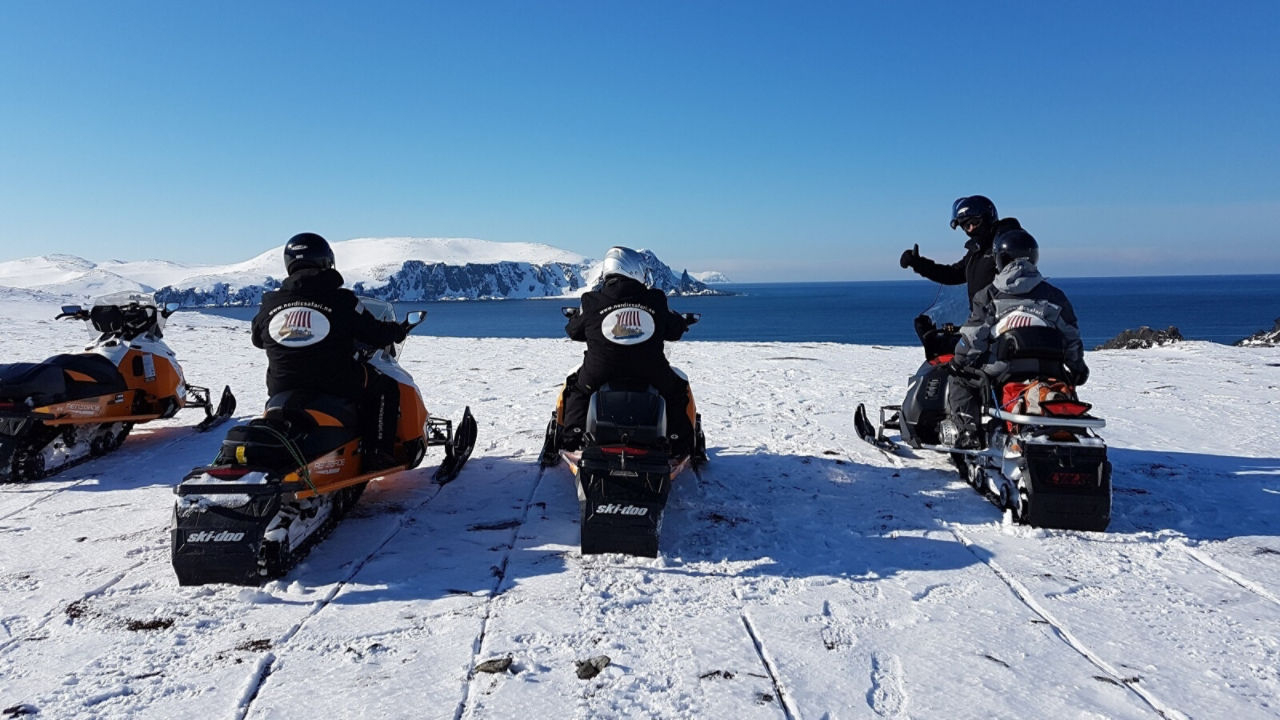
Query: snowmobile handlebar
x,y
691,318
74,312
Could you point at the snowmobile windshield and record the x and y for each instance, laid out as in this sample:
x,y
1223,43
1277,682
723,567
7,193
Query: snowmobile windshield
x,y
384,311
134,313
950,305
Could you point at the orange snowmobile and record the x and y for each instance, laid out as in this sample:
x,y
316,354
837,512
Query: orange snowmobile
x,y
72,407
282,481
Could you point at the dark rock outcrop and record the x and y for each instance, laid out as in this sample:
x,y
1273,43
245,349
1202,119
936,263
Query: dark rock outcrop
x,y
1143,337
1263,338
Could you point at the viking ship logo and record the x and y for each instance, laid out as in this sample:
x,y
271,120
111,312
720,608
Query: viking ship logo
x,y
299,327
628,326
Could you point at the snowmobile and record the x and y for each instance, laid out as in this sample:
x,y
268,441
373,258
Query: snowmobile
x,y
1043,459
76,406
282,481
625,466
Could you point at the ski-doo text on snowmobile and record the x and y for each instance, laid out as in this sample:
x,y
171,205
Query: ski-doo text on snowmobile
x,y
625,466
1043,458
71,407
282,481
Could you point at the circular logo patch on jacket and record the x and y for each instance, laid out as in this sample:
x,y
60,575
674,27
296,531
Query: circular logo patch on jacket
x,y
298,327
1019,319
627,326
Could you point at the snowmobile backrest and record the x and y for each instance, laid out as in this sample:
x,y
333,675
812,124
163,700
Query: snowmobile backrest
x,y
625,412
1041,343
1031,353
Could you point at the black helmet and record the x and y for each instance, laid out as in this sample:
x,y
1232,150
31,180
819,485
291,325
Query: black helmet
x,y
1013,244
974,206
307,250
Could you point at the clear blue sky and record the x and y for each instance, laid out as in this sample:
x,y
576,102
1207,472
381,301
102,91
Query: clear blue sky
x,y
768,140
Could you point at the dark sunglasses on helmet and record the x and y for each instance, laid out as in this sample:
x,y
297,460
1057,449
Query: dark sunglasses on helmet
x,y
967,222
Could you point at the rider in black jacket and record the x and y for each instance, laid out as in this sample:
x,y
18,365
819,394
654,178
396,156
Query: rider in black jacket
x,y
309,328
624,324
977,216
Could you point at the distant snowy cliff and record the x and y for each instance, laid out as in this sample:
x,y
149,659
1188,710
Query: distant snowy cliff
x,y
394,269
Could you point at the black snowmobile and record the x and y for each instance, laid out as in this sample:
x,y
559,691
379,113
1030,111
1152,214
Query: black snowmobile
x,y
625,466
280,483
1043,459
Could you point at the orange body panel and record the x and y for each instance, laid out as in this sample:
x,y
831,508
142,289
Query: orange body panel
x,y
154,375
113,407
413,414
334,471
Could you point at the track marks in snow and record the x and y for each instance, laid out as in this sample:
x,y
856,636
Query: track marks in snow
x,y
1111,674
1235,577
500,578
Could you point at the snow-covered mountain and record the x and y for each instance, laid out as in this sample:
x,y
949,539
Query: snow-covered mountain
x,y
400,268
710,277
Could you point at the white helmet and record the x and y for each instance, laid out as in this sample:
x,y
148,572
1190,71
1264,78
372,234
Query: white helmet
x,y
624,261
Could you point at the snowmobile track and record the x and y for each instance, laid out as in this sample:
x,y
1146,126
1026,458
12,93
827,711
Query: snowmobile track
x,y
770,667
60,612
262,670
1059,628
464,707
1233,576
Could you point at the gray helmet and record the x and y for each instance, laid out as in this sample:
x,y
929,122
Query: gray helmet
x,y
625,261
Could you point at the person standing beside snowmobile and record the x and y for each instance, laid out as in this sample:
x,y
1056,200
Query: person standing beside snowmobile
x,y
977,216
309,328
1019,296
624,324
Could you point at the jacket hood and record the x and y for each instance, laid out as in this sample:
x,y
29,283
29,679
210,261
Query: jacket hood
x,y
313,279
1018,277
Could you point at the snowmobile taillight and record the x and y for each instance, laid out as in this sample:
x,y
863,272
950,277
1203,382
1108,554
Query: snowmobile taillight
x,y
942,359
228,473
8,406
1065,408
623,450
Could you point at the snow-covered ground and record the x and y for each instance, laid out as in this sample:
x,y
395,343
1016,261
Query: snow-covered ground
x,y
803,575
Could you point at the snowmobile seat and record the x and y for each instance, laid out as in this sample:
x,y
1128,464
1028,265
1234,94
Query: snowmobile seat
x,y
1031,353
61,377
308,409
623,412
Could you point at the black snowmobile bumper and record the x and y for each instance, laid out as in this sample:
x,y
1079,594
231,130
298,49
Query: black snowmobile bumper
x,y
221,541
622,500
1068,486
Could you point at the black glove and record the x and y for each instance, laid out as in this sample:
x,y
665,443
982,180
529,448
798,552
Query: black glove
x,y
405,327
909,257
1078,375
923,324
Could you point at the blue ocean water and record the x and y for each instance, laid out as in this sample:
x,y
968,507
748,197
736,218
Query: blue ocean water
x,y
1219,308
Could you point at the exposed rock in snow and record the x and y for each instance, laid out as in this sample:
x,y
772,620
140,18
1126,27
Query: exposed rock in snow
x,y
1143,337
1263,338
